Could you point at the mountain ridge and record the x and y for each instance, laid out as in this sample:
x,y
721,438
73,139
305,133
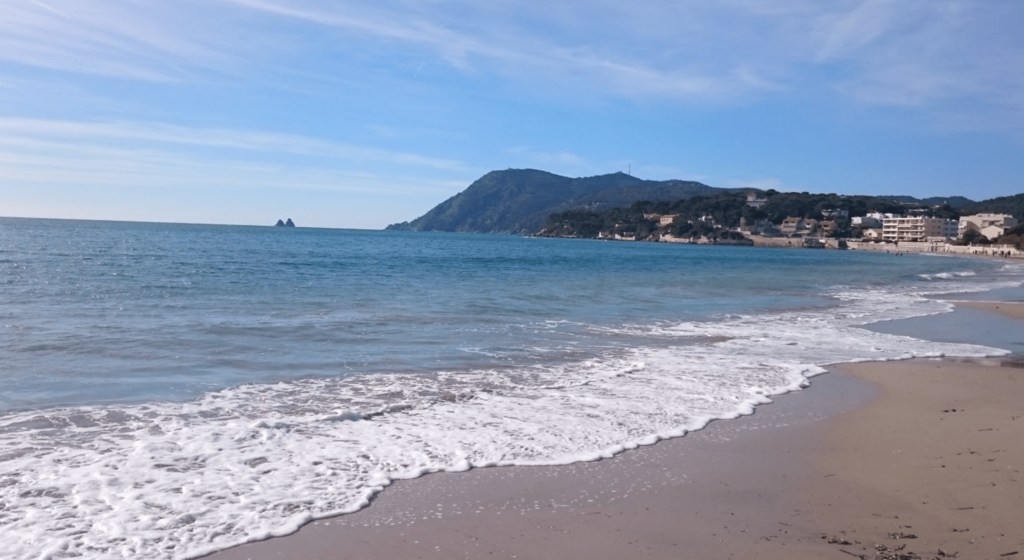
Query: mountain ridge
x,y
520,201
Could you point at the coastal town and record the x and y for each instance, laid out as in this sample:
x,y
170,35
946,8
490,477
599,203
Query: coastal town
x,y
915,228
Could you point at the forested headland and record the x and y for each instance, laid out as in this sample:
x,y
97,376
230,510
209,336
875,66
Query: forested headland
x,y
719,215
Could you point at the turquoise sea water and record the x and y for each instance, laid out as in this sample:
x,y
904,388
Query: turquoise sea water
x,y
174,389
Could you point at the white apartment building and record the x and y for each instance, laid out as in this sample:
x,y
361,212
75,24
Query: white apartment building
x,y
918,228
989,225
866,222
755,201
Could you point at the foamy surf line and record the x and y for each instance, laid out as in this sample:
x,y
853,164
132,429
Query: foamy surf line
x,y
948,275
181,480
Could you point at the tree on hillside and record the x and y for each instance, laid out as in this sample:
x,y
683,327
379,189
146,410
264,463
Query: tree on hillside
x,y
1014,236
973,237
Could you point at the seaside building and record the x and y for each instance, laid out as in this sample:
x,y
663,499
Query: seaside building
x,y
866,222
759,227
667,219
798,226
827,227
872,234
755,201
989,225
918,228
835,213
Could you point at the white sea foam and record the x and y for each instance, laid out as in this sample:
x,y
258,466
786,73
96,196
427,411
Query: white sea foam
x,y
948,275
177,480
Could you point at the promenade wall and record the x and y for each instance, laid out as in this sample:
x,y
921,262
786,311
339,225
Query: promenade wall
x,y
933,247
901,247
776,241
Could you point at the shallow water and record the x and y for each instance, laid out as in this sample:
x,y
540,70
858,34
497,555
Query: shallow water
x,y
174,389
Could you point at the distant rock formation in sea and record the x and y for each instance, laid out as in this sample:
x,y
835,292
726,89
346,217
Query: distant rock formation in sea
x,y
289,223
519,201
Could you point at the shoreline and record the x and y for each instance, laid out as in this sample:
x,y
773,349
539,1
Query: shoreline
x,y
1010,309
993,252
847,461
226,446
626,506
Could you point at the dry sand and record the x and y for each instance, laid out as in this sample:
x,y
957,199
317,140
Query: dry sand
x,y
939,456
1013,310
929,448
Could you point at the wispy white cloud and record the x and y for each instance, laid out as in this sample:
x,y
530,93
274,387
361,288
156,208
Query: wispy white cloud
x,y
50,9
76,133
44,164
764,183
117,39
927,54
952,61
70,181
189,41
902,52
843,33
49,164
516,53
560,159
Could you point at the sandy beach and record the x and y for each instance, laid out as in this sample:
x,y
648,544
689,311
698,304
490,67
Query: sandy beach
x,y
914,459
1012,310
936,456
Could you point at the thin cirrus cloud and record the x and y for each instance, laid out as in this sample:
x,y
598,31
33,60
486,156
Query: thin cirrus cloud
x,y
403,96
60,180
569,161
45,163
48,164
520,54
888,52
113,39
73,133
190,41
916,53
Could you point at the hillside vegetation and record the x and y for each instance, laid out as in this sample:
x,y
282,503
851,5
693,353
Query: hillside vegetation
x,y
525,201
714,215
519,201
1012,205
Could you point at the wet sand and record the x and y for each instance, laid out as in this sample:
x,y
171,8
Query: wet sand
x,y
716,493
871,452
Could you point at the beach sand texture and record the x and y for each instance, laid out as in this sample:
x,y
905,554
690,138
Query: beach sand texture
x,y
923,454
1014,310
937,456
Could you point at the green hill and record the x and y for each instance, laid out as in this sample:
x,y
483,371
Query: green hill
x,y
952,201
1013,205
519,201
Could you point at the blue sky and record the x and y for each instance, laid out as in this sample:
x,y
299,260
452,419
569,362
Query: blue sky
x,y
341,114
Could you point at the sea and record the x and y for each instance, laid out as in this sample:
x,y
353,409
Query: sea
x,y
169,390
